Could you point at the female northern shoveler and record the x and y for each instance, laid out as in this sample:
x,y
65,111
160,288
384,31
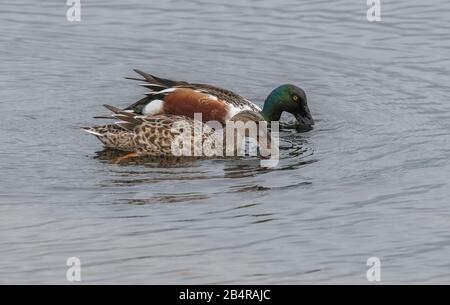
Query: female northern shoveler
x,y
182,98
154,135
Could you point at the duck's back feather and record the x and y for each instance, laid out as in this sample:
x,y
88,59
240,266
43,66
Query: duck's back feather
x,y
149,135
185,98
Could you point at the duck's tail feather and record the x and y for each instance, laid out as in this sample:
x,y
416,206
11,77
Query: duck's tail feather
x,y
156,86
155,83
151,86
139,105
113,108
127,120
93,130
162,82
109,117
113,136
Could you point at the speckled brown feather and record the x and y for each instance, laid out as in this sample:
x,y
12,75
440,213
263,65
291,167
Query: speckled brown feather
x,y
155,135
150,136
113,136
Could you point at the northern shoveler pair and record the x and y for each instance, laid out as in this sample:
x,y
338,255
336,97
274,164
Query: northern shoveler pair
x,y
145,128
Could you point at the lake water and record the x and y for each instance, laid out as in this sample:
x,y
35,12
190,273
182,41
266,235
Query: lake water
x,y
371,179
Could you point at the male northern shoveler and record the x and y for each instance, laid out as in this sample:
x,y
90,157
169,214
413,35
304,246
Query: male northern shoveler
x,y
154,135
183,98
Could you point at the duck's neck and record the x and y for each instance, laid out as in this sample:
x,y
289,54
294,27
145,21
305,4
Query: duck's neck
x,y
271,110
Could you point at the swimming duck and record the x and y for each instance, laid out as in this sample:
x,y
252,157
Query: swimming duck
x,y
183,98
154,135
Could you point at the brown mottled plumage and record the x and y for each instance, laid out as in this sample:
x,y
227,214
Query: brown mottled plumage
x,y
155,135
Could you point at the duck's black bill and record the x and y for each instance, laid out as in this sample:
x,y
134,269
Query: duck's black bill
x,y
305,119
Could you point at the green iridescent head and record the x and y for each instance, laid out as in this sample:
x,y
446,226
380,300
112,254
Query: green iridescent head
x,y
291,99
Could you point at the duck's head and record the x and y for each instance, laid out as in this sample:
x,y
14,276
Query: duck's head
x,y
291,99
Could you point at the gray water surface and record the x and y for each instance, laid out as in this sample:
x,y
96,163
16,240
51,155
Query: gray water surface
x,y
371,179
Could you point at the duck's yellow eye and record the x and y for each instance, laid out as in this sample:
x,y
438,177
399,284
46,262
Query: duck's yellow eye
x,y
295,98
